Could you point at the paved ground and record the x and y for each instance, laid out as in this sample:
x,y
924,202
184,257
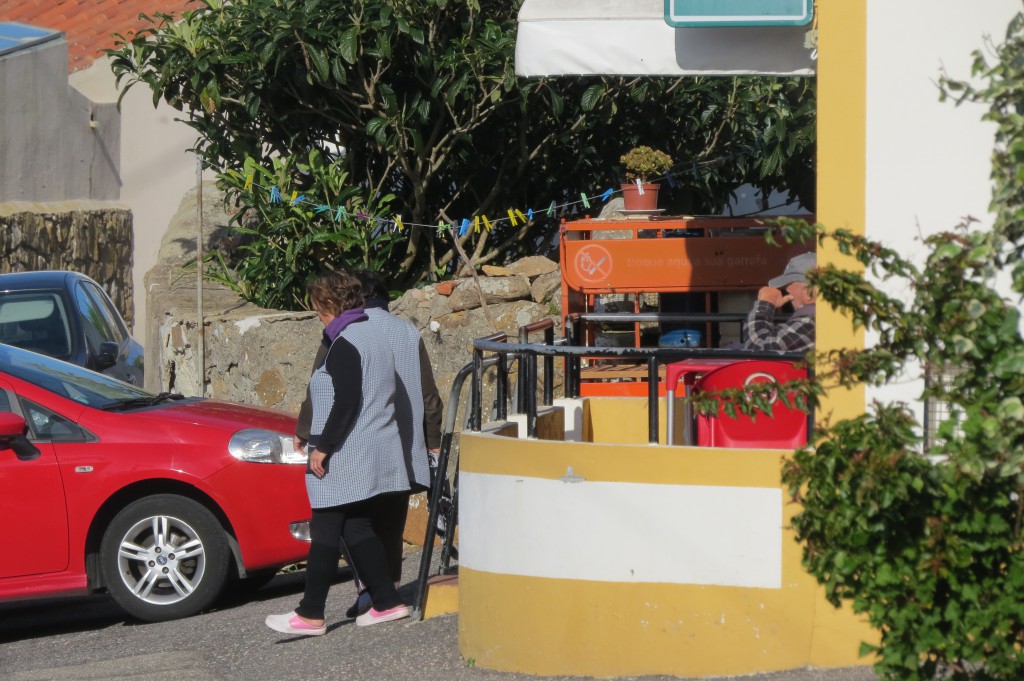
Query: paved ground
x,y
89,639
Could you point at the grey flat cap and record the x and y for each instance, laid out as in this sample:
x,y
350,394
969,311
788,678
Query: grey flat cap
x,y
796,270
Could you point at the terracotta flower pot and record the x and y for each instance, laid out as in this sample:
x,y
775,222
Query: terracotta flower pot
x,y
633,200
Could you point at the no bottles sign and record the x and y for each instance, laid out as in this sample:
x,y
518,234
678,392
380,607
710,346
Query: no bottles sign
x,y
593,264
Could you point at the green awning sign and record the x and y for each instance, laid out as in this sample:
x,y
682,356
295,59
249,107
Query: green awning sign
x,y
696,13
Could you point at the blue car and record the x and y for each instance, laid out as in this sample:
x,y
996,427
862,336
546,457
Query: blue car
x,y
68,316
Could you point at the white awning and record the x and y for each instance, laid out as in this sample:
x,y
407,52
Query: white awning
x,y
631,37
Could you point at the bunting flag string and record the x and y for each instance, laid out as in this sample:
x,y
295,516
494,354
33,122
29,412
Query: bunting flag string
x,y
515,215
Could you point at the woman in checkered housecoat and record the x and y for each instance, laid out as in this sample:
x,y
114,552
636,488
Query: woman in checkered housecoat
x,y
357,473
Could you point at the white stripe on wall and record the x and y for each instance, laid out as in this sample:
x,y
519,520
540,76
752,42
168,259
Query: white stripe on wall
x,y
621,532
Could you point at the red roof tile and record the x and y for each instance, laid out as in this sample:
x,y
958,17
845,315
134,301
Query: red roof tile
x,y
89,25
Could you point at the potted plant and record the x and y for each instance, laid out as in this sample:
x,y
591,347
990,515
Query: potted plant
x,y
641,164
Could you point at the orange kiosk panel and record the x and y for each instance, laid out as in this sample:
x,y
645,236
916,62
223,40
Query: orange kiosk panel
x,y
707,255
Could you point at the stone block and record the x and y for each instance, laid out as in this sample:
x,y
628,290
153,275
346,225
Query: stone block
x,y
533,266
416,522
545,286
466,295
445,288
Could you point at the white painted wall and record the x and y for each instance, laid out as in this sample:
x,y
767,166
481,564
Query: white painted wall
x,y
156,169
928,162
55,144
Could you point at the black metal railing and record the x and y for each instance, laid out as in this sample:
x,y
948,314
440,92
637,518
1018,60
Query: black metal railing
x,y
474,368
527,382
652,357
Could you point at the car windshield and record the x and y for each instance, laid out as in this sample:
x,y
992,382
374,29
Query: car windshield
x,y
69,380
37,321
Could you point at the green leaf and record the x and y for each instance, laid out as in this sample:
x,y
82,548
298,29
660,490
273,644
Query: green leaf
x,y
591,96
320,63
348,44
1011,409
376,128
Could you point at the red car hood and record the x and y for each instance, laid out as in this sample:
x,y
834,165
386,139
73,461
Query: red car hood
x,y
226,415
188,435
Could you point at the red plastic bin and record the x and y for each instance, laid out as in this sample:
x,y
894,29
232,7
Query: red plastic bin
x,y
786,428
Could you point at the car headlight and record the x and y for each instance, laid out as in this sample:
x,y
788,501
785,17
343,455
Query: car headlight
x,y
264,446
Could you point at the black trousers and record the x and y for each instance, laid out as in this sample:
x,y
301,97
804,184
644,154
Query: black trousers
x,y
366,530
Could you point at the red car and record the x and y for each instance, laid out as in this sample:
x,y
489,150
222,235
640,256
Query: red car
x,y
158,499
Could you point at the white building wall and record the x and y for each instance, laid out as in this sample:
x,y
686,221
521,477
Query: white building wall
x,y
55,143
928,161
156,168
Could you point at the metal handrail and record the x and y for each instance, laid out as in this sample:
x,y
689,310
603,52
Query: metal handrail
x,y
434,507
478,371
652,356
527,387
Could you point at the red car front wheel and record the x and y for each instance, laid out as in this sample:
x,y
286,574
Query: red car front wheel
x,y
164,557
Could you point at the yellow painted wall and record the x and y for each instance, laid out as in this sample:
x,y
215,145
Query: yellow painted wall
x,y
551,626
842,138
623,420
842,202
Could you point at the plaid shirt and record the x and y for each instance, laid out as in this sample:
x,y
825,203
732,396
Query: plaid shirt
x,y
796,334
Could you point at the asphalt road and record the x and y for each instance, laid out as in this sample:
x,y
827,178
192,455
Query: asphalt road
x,y
90,639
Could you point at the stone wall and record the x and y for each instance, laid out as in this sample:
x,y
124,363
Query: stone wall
x,y
91,237
264,357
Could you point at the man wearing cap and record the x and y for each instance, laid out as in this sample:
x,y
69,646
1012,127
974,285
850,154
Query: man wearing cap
x,y
795,334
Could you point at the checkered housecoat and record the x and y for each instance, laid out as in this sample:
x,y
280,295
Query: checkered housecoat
x,y
405,341
354,420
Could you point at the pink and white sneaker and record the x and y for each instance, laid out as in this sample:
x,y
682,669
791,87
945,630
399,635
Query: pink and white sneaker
x,y
374,616
290,623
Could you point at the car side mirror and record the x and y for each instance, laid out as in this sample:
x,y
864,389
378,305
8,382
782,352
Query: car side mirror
x,y
12,436
107,355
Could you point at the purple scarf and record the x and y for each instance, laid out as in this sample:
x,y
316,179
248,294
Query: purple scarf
x,y
338,324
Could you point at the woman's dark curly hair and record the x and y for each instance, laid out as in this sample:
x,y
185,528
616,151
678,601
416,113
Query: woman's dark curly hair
x,y
334,292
